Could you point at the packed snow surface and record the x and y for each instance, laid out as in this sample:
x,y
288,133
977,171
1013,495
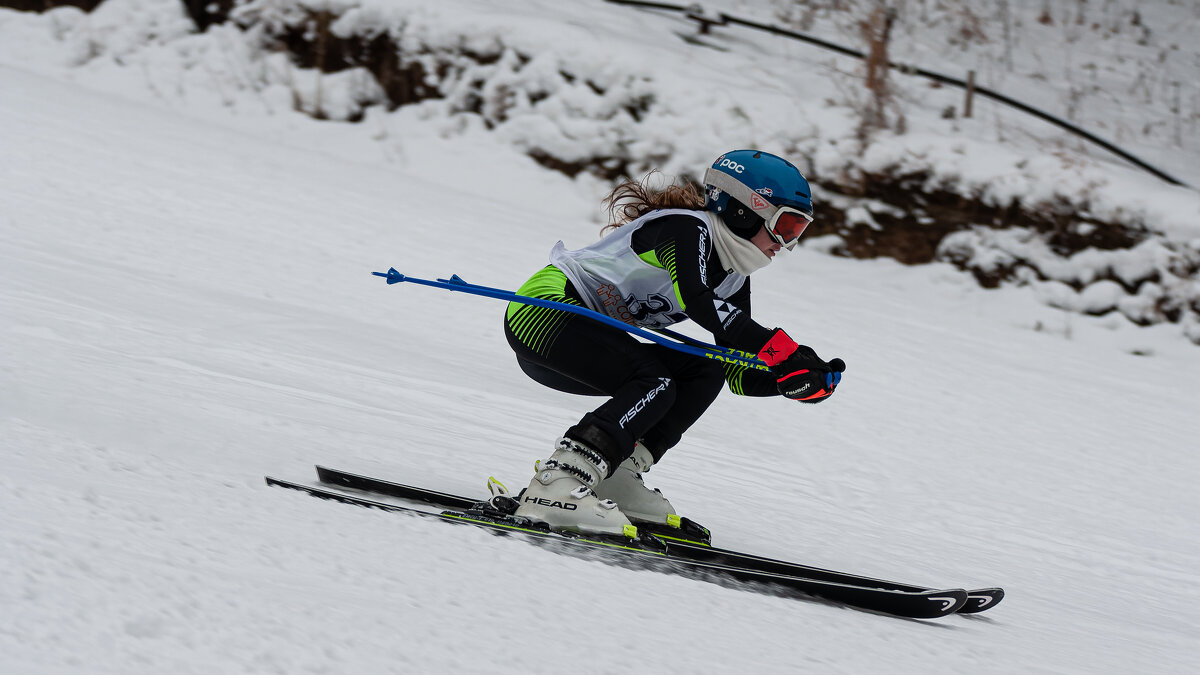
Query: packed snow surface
x,y
186,304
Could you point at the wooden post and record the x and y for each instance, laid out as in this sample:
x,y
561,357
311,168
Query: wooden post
x,y
970,93
696,13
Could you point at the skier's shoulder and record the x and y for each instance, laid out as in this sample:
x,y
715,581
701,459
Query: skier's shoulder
x,y
677,224
676,217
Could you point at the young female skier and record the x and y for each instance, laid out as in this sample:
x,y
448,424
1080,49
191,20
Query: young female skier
x,y
672,255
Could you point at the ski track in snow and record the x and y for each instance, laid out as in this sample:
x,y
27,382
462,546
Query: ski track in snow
x,y
186,306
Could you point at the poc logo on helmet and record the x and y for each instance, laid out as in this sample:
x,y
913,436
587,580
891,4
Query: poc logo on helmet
x,y
737,168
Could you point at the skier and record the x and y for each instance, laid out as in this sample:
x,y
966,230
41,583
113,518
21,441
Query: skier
x,y
672,255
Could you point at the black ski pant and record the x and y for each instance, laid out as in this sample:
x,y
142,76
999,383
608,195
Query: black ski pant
x,y
654,393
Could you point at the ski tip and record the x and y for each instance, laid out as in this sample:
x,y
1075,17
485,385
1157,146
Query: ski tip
x,y
982,599
943,602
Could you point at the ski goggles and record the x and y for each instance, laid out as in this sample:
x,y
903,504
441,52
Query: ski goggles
x,y
785,224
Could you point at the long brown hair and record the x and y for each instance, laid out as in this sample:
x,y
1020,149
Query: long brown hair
x,y
633,199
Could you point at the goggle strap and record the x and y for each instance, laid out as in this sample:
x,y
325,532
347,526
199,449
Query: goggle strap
x,y
738,190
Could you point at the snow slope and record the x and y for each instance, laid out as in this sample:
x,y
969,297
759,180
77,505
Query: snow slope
x,y
591,82
186,304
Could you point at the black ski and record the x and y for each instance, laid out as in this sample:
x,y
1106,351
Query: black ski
x,y
925,604
978,600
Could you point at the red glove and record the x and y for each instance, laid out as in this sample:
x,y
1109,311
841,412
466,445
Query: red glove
x,y
799,373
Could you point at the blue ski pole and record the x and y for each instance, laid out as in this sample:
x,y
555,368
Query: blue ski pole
x,y
679,337
456,283
459,281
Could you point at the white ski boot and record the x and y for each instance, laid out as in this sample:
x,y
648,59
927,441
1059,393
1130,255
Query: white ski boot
x,y
638,502
561,493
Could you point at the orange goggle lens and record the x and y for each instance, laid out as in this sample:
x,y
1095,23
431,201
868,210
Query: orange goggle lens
x,y
787,225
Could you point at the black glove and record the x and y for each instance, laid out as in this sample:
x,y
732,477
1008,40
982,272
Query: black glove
x,y
799,373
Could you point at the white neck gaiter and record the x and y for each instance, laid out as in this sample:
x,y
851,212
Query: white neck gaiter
x,y
737,253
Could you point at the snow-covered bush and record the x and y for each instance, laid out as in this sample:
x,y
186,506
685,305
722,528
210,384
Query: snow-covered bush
x,y
1152,282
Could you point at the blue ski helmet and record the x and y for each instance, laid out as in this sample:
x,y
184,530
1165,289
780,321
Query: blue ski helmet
x,y
747,177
